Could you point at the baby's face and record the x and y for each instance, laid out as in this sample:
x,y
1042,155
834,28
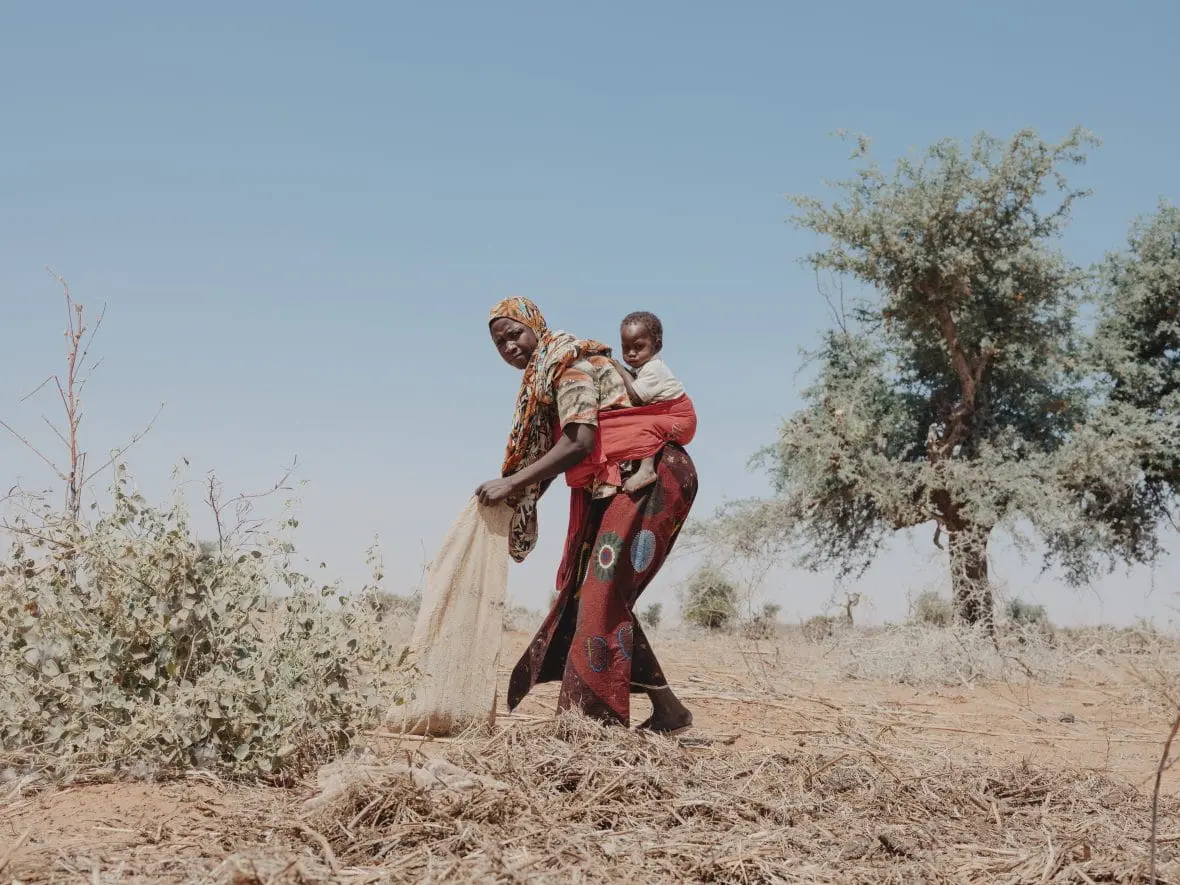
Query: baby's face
x,y
638,345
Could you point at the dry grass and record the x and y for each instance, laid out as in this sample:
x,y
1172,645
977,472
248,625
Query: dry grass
x,y
923,655
914,654
576,802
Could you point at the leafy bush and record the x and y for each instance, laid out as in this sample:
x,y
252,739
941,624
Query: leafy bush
x,y
710,600
1025,614
129,643
933,610
652,615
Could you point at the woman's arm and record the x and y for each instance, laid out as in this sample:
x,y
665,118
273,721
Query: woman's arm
x,y
570,449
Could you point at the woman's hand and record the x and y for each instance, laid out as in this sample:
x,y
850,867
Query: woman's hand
x,y
496,490
572,447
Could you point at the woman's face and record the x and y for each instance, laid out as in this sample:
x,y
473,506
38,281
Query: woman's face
x,y
515,341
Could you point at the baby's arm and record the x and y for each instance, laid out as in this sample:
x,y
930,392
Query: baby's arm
x,y
627,382
651,382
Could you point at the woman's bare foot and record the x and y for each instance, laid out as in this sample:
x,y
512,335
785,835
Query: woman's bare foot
x,y
671,729
644,476
668,716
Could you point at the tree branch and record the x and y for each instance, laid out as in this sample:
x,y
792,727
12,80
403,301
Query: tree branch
x,y
962,367
32,448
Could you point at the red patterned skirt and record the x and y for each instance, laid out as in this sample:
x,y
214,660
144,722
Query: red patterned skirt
x,y
591,640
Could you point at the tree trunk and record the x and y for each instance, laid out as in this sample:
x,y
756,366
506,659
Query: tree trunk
x,y
969,582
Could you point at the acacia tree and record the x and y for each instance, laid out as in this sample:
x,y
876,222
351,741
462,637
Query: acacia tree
x,y
945,393
1123,466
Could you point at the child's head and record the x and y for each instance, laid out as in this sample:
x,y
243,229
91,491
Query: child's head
x,y
643,337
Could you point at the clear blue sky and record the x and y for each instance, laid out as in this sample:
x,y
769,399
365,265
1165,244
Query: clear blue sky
x,y
298,214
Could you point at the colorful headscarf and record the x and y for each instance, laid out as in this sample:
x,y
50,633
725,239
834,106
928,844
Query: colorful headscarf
x,y
535,419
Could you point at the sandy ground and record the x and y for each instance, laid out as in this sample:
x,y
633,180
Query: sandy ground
x,y
744,696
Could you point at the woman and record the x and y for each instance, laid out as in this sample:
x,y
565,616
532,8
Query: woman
x,y
615,545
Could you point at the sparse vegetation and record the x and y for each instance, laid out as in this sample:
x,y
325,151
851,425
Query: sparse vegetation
x,y
710,599
128,643
1025,614
933,609
819,628
764,624
396,605
522,618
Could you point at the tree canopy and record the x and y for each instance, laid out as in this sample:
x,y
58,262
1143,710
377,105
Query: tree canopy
x,y
1122,466
959,390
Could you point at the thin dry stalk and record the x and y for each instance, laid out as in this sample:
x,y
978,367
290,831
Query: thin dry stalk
x,y
11,851
79,339
1155,794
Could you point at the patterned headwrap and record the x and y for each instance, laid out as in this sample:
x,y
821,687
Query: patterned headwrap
x,y
533,424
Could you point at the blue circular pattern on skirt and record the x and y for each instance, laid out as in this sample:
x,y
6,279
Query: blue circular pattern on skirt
x,y
643,550
597,653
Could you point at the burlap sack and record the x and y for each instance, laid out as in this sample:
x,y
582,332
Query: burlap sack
x,y
456,639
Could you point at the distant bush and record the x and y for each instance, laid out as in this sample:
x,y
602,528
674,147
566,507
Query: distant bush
x,y
1026,614
518,618
763,625
710,599
652,615
933,610
819,628
130,644
394,605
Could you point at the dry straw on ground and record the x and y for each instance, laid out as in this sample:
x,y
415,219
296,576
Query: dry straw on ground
x,y
573,802
570,801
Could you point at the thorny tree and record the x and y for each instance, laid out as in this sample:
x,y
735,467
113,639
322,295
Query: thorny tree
x,y
1123,465
944,394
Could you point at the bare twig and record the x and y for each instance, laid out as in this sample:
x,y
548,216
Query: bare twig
x,y
36,451
122,451
318,838
1155,796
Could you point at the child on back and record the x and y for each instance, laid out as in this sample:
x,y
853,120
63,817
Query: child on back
x,y
648,381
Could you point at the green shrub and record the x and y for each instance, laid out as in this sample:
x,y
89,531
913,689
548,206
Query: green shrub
x,y
652,615
933,610
129,643
710,599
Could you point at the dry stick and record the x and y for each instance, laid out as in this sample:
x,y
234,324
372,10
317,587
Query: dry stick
x,y
1155,795
318,838
13,849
